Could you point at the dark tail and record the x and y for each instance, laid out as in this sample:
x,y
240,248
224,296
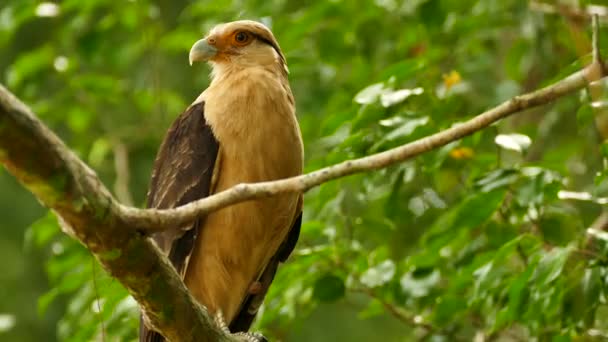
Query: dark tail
x,y
243,320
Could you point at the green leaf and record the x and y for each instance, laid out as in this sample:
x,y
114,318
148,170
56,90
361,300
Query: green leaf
x,y
592,288
367,115
404,69
42,231
478,208
551,265
7,322
560,227
393,97
518,292
373,309
401,134
329,288
406,129
29,65
379,274
514,142
370,94
497,179
99,151
447,307
46,299
417,285
584,115
604,149
385,94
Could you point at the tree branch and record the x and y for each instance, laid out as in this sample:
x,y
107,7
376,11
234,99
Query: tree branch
x,y
112,231
152,220
62,182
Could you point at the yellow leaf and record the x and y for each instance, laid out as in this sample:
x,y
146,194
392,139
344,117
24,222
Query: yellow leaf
x,y
462,153
451,79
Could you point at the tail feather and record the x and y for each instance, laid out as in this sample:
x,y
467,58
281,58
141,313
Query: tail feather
x,y
244,318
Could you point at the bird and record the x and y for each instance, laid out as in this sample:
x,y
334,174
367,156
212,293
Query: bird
x,y
241,129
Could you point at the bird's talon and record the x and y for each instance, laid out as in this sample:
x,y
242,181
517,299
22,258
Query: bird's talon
x,y
250,337
221,323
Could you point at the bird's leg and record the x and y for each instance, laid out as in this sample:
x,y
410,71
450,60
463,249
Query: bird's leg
x,y
241,336
255,288
251,337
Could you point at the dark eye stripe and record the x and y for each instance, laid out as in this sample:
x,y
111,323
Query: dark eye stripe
x,y
266,41
269,42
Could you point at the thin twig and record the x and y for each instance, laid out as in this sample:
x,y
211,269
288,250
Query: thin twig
x,y
397,312
152,220
406,317
600,224
121,167
99,313
595,39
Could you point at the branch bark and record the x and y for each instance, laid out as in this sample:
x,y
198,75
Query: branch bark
x,y
116,234
62,182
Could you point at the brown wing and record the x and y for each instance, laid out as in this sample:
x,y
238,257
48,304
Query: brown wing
x,y
242,321
182,173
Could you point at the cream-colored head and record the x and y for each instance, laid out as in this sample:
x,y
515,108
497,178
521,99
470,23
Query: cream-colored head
x,y
239,44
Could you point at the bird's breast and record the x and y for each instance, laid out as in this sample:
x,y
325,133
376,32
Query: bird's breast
x,y
253,117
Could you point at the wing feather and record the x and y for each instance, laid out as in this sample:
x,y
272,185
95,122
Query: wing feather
x,y
183,172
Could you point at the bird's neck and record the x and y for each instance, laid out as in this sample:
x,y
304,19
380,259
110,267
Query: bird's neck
x,y
224,71
240,98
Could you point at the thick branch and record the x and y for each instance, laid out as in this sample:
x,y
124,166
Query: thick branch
x,y
156,220
45,166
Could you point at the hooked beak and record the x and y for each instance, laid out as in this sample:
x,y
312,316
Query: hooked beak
x,y
202,51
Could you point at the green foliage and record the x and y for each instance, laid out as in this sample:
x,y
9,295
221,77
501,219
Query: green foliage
x,y
484,237
74,272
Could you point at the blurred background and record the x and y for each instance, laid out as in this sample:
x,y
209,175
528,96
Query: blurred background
x,y
499,236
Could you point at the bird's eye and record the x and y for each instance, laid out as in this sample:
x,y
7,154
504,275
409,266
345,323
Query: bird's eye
x,y
241,37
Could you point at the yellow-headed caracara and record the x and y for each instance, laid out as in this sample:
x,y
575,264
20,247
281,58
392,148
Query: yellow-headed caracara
x,y
241,129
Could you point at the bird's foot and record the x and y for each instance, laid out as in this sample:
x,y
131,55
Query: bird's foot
x,y
241,336
250,337
221,322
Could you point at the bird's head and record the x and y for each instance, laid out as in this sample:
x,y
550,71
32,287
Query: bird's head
x,y
242,43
